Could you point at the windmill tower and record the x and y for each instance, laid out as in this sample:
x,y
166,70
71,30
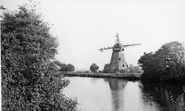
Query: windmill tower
x,y
117,61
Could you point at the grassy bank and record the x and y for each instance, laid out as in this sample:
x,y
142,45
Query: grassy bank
x,y
129,76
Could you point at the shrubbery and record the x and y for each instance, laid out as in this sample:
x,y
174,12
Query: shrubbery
x,y
131,69
64,67
30,81
167,63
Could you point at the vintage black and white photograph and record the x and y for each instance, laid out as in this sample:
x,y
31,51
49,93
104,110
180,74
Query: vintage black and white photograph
x,y
92,55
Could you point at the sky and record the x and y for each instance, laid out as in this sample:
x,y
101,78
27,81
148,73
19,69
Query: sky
x,y
84,26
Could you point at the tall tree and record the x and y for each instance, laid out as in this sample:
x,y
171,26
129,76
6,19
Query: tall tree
x,y
172,57
166,63
29,80
94,67
106,68
70,67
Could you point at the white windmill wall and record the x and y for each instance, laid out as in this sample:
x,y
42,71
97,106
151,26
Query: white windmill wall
x,y
118,61
122,61
114,63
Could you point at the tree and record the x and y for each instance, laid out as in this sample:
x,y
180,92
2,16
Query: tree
x,y
70,67
30,81
138,69
66,68
94,67
134,69
172,57
57,62
131,68
106,68
166,63
147,62
63,67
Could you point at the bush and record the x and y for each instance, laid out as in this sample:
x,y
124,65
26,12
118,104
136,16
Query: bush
x,y
30,81
124,71
86,71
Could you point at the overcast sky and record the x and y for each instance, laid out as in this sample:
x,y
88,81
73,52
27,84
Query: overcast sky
x,y
84,26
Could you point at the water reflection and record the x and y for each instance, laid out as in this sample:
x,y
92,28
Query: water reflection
x,y
168,97
117,86
98,94
131,96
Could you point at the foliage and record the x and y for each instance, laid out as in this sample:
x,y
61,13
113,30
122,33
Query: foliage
x,y
30,81
131,69
94,67
63,67
134,69
58,63
106,68
70,67
85,71
138,69
124,71
166,63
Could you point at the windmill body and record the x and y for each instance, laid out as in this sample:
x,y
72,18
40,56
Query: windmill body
x,y
118,61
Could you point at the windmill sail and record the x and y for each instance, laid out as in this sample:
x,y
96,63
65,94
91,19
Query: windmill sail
x,y
130,45
105,49
117,38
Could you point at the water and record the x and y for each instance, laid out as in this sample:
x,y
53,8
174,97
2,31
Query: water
x,y
103,94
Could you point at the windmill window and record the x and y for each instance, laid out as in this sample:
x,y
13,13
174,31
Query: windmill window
x,y
123,65
119,58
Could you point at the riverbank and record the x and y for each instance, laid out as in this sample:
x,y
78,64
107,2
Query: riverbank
x,y
179,79
129,76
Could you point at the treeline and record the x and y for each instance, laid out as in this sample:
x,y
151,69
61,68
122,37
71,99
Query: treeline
x,y
166,64
64,67
29,80
131,69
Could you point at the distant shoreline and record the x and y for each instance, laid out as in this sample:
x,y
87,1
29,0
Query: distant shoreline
x,y
129,76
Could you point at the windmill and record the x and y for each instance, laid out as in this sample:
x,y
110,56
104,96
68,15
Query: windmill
x,y
117,61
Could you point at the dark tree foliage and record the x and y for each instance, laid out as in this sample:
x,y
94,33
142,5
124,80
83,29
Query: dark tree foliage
x,y
167,63
94,67
58,63
65,67
30,81
70,67
106,68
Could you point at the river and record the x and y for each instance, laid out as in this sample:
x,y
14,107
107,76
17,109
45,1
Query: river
x,y
105,94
